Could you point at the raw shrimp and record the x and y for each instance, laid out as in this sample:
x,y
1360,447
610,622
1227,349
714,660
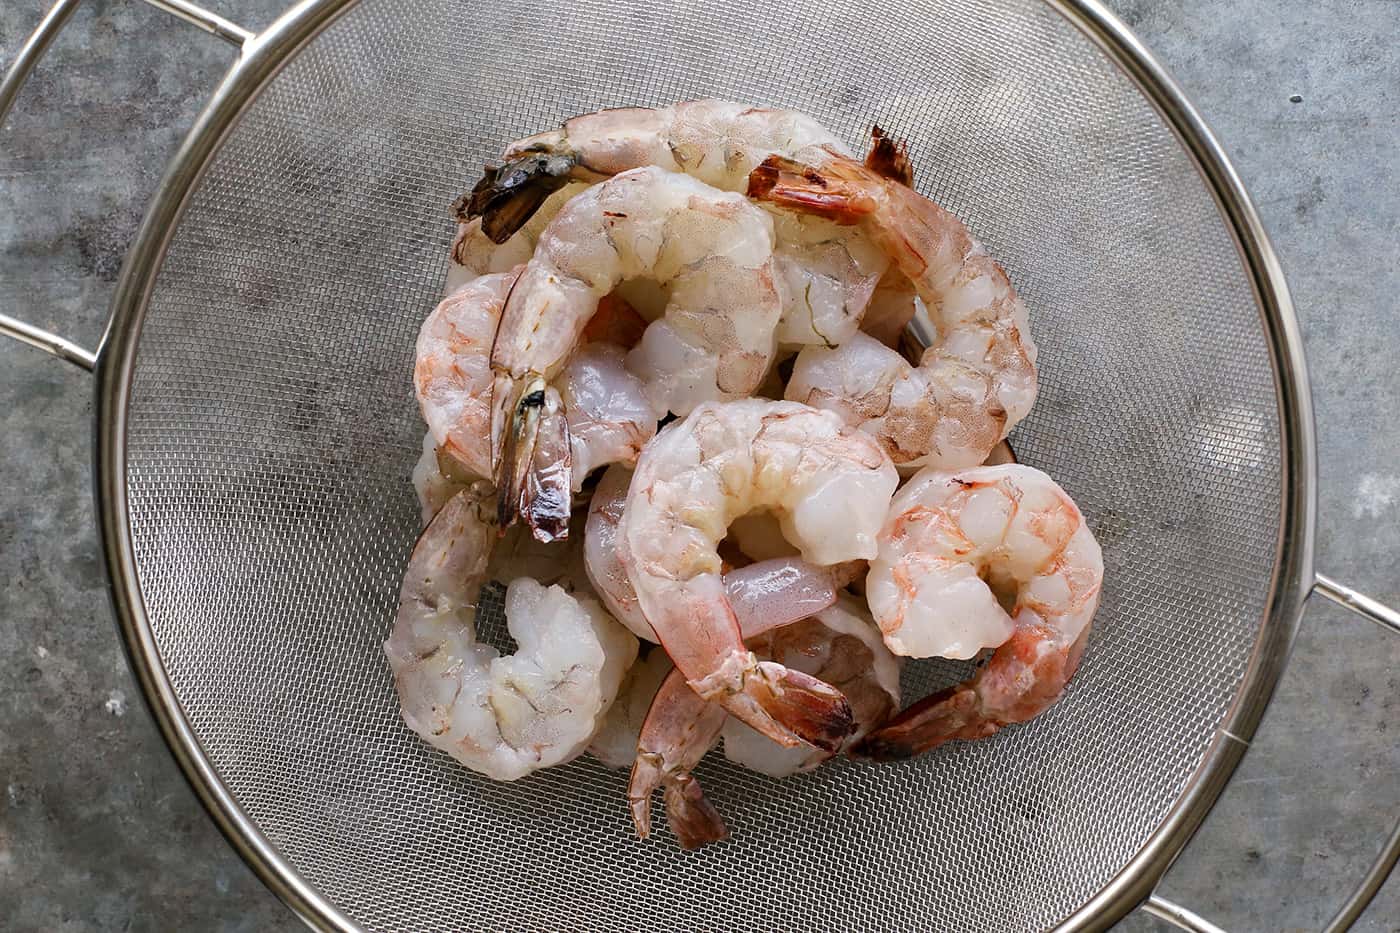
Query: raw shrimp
x,y
976,381
840,644
764,595
955,547
501,716
828,485
437,478
714,249
827,272
452,371
615,743
596,411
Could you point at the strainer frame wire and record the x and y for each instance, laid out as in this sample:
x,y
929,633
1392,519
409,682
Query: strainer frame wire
x,y
262,58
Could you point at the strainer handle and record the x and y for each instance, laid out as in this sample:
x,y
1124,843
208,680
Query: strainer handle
x,y
29,54
1384,863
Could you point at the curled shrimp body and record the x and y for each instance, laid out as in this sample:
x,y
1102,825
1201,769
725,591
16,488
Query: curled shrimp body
x,y
715,339
977,380
594,413
953,544
765,594
502,716
827,272
829,486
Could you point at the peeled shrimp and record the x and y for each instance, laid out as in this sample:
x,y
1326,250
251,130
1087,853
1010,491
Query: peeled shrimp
x,y
436,478
715,251
596,410
829,486
975,382
501,716
764,595
826,272
955,548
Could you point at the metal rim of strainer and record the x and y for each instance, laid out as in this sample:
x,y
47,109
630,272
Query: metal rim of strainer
x,y
264,54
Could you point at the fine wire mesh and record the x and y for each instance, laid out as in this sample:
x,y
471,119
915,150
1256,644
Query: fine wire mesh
x,y
273,427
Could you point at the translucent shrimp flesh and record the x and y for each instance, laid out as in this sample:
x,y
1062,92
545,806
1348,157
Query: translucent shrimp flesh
x,y
976,381
713,249
765,594
829,486
957,548
502,716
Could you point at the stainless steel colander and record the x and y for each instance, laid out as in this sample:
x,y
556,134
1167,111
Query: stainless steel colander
x,y
256,428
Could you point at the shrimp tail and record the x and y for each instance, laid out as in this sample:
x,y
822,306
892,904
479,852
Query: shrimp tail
x,y
786,705
814,711
534,475
693,819
823,192
954,713
546,500
1025,677
889,157
679,729
509,194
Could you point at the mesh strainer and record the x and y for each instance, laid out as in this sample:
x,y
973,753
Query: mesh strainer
x,y
256,428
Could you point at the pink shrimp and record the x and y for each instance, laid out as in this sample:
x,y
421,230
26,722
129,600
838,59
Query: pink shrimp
x,y
955,547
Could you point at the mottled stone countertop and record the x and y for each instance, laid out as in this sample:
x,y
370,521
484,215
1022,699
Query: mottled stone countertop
x,y
98,831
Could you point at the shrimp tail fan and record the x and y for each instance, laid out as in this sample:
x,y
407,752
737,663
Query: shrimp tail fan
x,y
825,192
692,818
814,711
508,195
889,157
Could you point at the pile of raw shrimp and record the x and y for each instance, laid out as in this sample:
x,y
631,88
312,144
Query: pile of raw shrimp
x,y
666,404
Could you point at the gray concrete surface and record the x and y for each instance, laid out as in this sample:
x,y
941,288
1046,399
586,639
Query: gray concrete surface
x,y
99,832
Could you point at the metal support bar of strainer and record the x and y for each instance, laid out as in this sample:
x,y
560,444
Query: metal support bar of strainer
x,y
261,56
